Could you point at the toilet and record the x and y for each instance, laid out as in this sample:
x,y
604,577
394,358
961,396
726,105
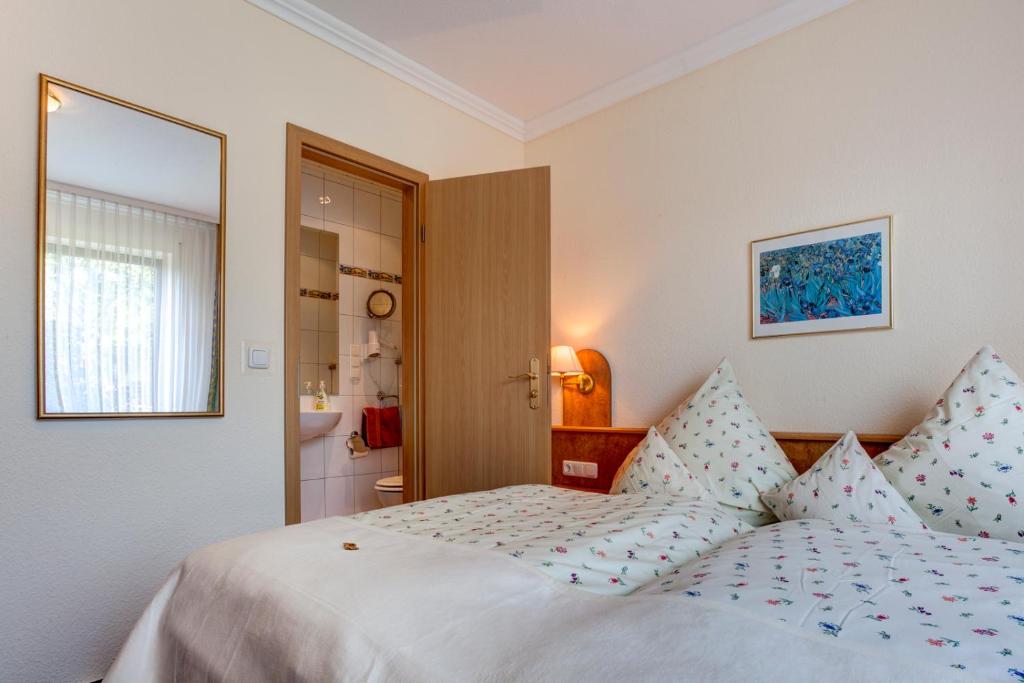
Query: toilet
x,y
389,490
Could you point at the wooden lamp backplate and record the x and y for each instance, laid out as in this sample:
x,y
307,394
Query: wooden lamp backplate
x,y
593,409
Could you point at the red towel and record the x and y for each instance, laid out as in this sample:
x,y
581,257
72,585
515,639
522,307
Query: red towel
x,y
382,427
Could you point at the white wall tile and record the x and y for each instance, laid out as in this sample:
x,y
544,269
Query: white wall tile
x,y
391,331
327,274
308,313
311,459
366,249
361,328
396,290
337,461
339,496
340,210
312,190
309,272
387,377
327,316
328,347
367,211
308,372
308,342
365,495
368,464
345,327
311,494
309,243
391,255
391,217
362,288
346,254
351,380
346,289
344,426
389,459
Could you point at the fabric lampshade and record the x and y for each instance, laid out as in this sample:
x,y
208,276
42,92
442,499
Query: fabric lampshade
x,y
564,361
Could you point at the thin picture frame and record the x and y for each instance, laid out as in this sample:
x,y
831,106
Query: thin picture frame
x,y
836,278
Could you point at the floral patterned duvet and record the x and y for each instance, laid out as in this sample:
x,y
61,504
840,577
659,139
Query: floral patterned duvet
x,y
949,599
604,544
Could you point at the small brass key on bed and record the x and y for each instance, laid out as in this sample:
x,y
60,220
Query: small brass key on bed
x,y
350,546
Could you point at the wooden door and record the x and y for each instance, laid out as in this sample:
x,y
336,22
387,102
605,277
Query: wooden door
x,y
487,313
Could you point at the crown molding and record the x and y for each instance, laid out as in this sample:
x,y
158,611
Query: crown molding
x,y
315,21
310,18
716,48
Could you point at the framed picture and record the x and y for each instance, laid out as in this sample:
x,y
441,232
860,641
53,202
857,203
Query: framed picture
x,y
825,280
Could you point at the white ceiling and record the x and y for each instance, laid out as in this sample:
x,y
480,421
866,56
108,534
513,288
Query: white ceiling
x,y
99,145
529,66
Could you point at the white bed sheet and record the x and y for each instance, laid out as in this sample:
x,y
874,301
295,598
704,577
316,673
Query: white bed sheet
x,y
956,601
602,544
292,605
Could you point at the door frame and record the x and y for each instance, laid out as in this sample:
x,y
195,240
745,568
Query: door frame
x,y
306,144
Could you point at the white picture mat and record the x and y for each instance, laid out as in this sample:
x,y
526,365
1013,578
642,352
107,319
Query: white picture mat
x,y
881,225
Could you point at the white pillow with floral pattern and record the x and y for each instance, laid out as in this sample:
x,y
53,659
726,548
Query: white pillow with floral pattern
x,y
727,448
652,467
962,468
843,486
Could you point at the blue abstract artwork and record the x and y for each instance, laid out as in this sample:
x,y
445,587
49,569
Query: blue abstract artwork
x,y
839,278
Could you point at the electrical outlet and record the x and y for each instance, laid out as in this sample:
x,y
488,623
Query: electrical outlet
x,y
576,468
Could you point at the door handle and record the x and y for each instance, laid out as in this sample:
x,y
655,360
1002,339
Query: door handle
x,y
524,375
534,376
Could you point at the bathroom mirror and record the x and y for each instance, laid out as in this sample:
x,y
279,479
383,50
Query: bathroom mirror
x,y
130,259
380,304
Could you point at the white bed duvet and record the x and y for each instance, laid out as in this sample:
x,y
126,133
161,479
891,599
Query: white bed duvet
x,y
293,604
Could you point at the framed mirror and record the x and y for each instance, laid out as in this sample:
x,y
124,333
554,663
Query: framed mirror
x,y
380,304
130,259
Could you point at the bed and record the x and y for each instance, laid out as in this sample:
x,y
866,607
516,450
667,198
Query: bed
x,y
542,583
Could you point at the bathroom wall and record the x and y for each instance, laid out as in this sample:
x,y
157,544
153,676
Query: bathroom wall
x,y
365,221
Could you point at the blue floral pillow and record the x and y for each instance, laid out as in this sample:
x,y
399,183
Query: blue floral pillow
x,y
962,468
843,486
652,467
729,450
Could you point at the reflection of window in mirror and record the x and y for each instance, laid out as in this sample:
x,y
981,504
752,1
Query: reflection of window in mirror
x,y
131,260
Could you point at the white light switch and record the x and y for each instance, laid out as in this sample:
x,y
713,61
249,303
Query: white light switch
x,y
576,468
256,358
259,359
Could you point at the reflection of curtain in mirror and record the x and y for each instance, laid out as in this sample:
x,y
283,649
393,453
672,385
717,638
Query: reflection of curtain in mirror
x,y
129,306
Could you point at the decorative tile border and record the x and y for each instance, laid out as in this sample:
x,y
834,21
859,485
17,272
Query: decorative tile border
x,y
356,271
317,294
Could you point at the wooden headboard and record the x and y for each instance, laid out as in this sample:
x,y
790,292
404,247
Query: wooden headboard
x,y
609,446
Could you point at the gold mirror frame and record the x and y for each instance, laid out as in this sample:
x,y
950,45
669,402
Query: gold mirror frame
x,y
45,82
370,300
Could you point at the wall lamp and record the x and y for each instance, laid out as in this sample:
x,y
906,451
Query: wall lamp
x,y
566,366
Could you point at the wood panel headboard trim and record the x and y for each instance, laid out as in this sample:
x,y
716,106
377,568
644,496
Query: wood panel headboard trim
x,y
609,446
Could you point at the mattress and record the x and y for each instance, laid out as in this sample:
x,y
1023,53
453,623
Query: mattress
x,y
536,583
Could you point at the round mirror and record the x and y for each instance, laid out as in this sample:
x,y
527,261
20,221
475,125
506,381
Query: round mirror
x,y
381,304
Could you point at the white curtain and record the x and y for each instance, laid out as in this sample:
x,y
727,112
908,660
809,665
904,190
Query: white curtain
x,y
129,306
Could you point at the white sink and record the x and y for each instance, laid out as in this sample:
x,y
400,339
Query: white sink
x,y
317,423
314,423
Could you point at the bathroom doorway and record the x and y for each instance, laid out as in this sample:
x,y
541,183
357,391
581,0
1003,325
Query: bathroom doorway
x,y
352,327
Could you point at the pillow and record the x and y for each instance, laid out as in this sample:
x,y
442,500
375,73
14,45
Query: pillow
x,y
843,486
962,468
652,467
727,448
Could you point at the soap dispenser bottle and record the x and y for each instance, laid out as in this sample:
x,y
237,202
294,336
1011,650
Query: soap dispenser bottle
x,y
321,398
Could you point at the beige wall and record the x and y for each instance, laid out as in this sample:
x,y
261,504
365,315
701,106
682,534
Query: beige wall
x,y
909,107
93,515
